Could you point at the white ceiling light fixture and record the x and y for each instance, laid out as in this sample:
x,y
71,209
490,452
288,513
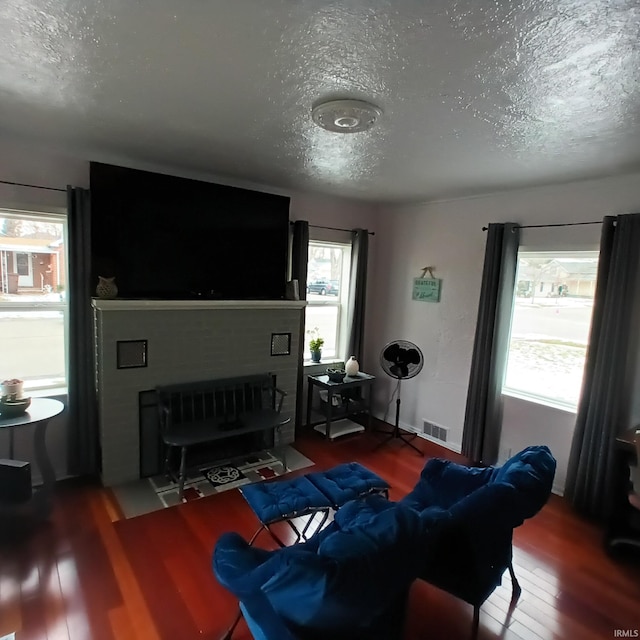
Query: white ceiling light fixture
x,y
345,116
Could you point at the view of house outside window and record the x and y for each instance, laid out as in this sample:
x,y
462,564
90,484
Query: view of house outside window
x,y
33,307
550,325
327,288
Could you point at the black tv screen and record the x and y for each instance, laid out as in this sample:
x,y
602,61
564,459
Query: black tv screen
x,y
165,237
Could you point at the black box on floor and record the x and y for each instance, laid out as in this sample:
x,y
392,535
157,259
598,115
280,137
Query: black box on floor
x,y
15,481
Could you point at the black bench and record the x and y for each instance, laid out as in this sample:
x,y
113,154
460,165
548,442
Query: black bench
x,y
196,413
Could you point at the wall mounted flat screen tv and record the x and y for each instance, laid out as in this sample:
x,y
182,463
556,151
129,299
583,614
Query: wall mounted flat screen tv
x,y
165,237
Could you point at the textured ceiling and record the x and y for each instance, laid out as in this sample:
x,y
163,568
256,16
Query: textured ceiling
x,y
477,95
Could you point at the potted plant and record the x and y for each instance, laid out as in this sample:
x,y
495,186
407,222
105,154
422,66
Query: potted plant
x,y
315,344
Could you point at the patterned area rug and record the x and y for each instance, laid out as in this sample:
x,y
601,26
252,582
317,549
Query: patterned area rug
x,y
158,492
207,480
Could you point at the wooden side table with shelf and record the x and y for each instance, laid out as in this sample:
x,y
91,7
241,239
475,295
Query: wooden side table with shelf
x,y
352,396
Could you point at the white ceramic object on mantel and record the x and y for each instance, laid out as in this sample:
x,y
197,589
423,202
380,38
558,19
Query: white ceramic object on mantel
x,y
352,367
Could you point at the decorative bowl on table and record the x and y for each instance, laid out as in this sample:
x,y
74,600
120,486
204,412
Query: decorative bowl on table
x,y
336,375
11,407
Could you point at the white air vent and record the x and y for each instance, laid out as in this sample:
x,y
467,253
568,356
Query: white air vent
x,y
435,431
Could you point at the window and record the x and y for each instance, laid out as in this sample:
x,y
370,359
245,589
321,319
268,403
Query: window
x,y
33,306
327,291
550,325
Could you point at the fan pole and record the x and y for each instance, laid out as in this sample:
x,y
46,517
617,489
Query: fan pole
x,y
396,434
396,428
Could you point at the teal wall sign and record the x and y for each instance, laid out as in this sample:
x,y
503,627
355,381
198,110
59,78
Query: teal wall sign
x,y
426,289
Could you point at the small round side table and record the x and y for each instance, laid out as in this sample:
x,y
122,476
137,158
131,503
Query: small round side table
x,y
39,413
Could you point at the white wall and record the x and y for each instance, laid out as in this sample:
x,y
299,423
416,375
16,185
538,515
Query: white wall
x,y
332,212
527,423
449,235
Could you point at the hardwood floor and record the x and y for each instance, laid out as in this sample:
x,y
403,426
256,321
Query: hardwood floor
x,y
89,574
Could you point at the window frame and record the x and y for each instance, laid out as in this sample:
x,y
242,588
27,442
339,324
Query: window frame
x,y
339,301
54,216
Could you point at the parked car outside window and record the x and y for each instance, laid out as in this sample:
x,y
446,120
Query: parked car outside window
x,y
323,287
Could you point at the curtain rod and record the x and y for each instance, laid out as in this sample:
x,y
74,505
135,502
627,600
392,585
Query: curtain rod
x,y
319,226
559,224
33,186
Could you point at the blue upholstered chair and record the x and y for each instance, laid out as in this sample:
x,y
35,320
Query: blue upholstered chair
x,y
350,581
471,513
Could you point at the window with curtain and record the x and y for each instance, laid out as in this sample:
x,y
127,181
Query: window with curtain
x,y
33,302
550,325
327,293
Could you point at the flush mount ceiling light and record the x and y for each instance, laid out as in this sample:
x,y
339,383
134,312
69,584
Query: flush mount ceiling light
x,y
345,116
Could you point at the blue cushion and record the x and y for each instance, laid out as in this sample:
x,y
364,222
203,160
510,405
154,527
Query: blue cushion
x,y
530,472
242,569
359,573
361,528
346,482
284,499
443,482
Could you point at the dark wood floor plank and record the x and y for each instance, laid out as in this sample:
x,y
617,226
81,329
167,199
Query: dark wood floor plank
x,y
121,625
75,522
33,621
10,590
75,603
130,590
53,599
91,575
146,560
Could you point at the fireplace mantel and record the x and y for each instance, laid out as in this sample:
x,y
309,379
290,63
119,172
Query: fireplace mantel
x,y
135,304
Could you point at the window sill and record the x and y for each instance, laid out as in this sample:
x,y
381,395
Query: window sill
x,y
325,362
546,402
51,392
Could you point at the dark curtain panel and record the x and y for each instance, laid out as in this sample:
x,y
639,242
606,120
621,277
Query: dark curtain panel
x,y
300,255
598,422
483,416
357,294
83,440
299,262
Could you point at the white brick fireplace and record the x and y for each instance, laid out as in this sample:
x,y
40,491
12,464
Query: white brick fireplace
x,y
186,341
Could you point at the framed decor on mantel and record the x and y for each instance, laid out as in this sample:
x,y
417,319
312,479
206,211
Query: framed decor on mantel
x,y
426,289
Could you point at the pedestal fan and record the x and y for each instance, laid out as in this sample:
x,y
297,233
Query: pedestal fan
x,y
401,360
